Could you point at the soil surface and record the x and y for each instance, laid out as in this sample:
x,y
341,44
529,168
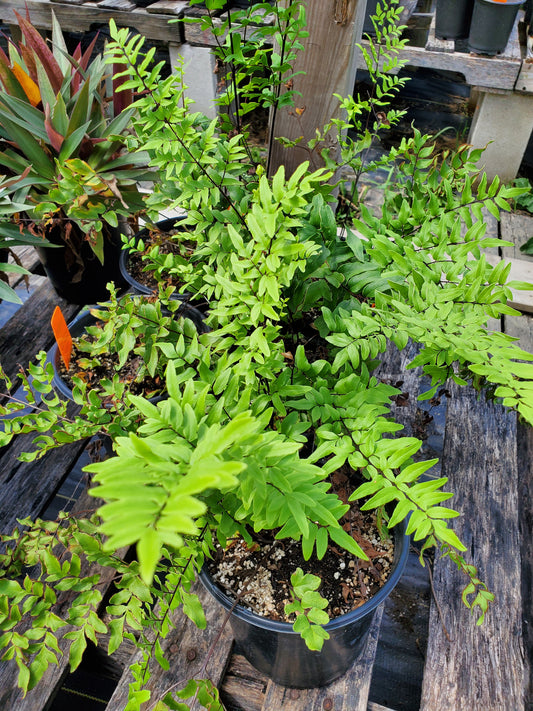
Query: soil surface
x,y
137,262
260,576
106,368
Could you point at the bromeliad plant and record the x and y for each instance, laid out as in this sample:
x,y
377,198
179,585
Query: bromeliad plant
x,y
281,391
10,237
62,139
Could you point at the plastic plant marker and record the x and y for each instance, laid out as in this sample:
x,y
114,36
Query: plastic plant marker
x,y
62,335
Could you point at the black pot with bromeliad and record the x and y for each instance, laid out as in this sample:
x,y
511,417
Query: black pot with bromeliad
x,y
73,268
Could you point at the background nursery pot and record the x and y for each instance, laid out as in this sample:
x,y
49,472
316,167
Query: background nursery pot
x,y
492,22
125,258
79,324
276,650
82,279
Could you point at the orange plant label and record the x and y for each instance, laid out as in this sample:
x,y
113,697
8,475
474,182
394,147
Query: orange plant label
x,y
62,335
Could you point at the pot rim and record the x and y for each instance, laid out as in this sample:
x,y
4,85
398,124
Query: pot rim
x,y
164,225
253,618
507,3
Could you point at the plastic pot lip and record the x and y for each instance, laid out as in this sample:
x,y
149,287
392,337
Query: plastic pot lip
x,y
163,226
338,622
501,4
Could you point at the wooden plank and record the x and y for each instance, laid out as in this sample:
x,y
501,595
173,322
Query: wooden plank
x,y
525,498
74,18
522,328
472,667
349,693
169,7
194,35
116,5
187,648
28,258
243,686
27,487
399,664
28,332
517,228
478,71
435,44
329,65
521,270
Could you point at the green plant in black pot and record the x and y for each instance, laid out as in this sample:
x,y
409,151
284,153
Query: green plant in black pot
x,y
117,349
275,433
60,139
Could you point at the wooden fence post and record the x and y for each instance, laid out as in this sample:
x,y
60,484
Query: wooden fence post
x,y
328,60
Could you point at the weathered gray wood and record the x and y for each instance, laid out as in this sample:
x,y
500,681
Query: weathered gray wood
x,y
169,7
243,686
28,258
520,327
116,5
186,647
522,271
525,498
194,35
349,693
478,71
517,228
524,81
479,667
74,18
27,487
329,64
29,331
434,44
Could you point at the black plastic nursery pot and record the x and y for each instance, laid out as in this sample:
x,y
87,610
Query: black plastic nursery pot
x,y
83,284
491,25
452,18
138,288
280,653
79,324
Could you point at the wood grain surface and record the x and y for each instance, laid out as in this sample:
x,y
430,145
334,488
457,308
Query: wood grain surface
x,y
328,63
470,667
187,648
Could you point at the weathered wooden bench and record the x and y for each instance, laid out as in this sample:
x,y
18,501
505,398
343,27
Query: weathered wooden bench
x,y
488,459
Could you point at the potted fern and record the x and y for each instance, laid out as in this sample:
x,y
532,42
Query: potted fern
x,y
265,409
61,145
